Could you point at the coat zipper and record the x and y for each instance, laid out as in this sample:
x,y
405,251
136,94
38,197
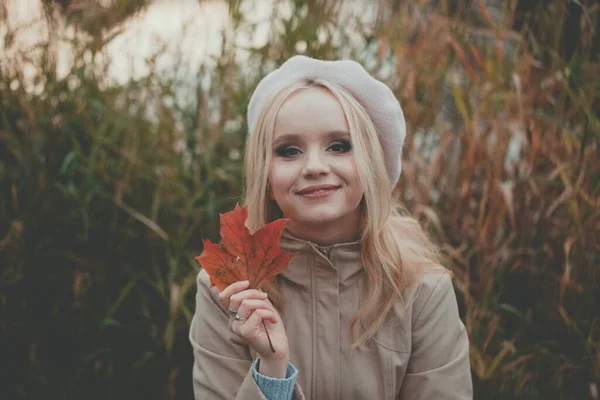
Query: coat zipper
x,y
314,333
325,250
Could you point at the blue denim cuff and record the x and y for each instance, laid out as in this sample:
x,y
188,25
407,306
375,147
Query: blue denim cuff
x,y
275,388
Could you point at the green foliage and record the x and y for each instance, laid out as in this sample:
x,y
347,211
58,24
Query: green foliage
x,y
101,215
107,190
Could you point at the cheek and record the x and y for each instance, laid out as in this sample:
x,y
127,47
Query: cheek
x,y
271,194
276,184
281,177
350,170
271,179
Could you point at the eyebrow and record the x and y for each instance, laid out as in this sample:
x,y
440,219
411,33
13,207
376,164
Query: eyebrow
x,y
291,136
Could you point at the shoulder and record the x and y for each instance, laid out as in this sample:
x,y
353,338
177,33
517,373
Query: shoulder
x,y
203,283
202,279
207,295
420,305
431,291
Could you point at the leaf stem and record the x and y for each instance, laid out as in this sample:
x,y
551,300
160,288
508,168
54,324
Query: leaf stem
x,y
268,337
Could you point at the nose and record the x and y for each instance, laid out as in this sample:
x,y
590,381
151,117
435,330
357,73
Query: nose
x,y
315,165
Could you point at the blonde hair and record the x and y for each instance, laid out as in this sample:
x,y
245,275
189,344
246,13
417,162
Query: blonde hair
x,y
395,250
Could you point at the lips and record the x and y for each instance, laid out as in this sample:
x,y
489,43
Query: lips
x,y
320,189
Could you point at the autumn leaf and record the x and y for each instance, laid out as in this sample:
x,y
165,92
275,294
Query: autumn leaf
x,y
244,256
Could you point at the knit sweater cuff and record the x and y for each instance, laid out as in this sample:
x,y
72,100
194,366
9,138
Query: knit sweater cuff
x,y
275,388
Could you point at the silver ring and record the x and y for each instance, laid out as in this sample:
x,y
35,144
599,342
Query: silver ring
x,y
238,318
232,312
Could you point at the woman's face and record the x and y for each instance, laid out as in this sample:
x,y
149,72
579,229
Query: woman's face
x,y
313,176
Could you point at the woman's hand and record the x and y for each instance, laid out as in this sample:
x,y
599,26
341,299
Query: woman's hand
x,y
252,308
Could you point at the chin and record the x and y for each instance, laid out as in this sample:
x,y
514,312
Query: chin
x,y
324,217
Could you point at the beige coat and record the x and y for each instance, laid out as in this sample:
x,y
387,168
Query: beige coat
x,y
425,355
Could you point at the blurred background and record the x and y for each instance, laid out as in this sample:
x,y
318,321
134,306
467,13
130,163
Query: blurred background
x,y
122,127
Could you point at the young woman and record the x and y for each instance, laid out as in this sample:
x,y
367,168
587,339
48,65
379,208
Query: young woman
x,y
364,310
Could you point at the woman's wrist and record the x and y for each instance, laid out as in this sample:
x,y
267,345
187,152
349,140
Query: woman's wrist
x,y
274,367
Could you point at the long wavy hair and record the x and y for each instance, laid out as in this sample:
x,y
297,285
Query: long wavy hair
x,y
395,249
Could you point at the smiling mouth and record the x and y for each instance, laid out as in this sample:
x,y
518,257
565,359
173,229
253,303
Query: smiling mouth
x,y
317,192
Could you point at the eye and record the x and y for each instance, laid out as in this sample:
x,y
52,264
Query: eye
x,y
340,146
287,151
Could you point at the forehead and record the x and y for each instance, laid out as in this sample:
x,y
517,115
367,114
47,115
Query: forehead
x,y
314,110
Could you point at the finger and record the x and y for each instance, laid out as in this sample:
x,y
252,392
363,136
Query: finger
x,y
231,290
248,306
235,323
236,299
245,309
249,327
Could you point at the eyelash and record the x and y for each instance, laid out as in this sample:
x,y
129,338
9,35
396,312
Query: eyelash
x,y
284,150
346,146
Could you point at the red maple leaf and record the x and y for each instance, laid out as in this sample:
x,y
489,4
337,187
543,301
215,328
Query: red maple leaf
x,y
243,256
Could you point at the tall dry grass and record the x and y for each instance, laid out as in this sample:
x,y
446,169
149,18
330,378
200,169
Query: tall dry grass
x,y
502,165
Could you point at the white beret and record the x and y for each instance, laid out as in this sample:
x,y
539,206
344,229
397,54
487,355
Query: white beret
x,y
375,97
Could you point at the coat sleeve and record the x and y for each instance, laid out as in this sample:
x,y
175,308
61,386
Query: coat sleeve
x,y
222,360
439,363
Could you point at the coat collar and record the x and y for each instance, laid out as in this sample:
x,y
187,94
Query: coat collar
x,y
344,258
